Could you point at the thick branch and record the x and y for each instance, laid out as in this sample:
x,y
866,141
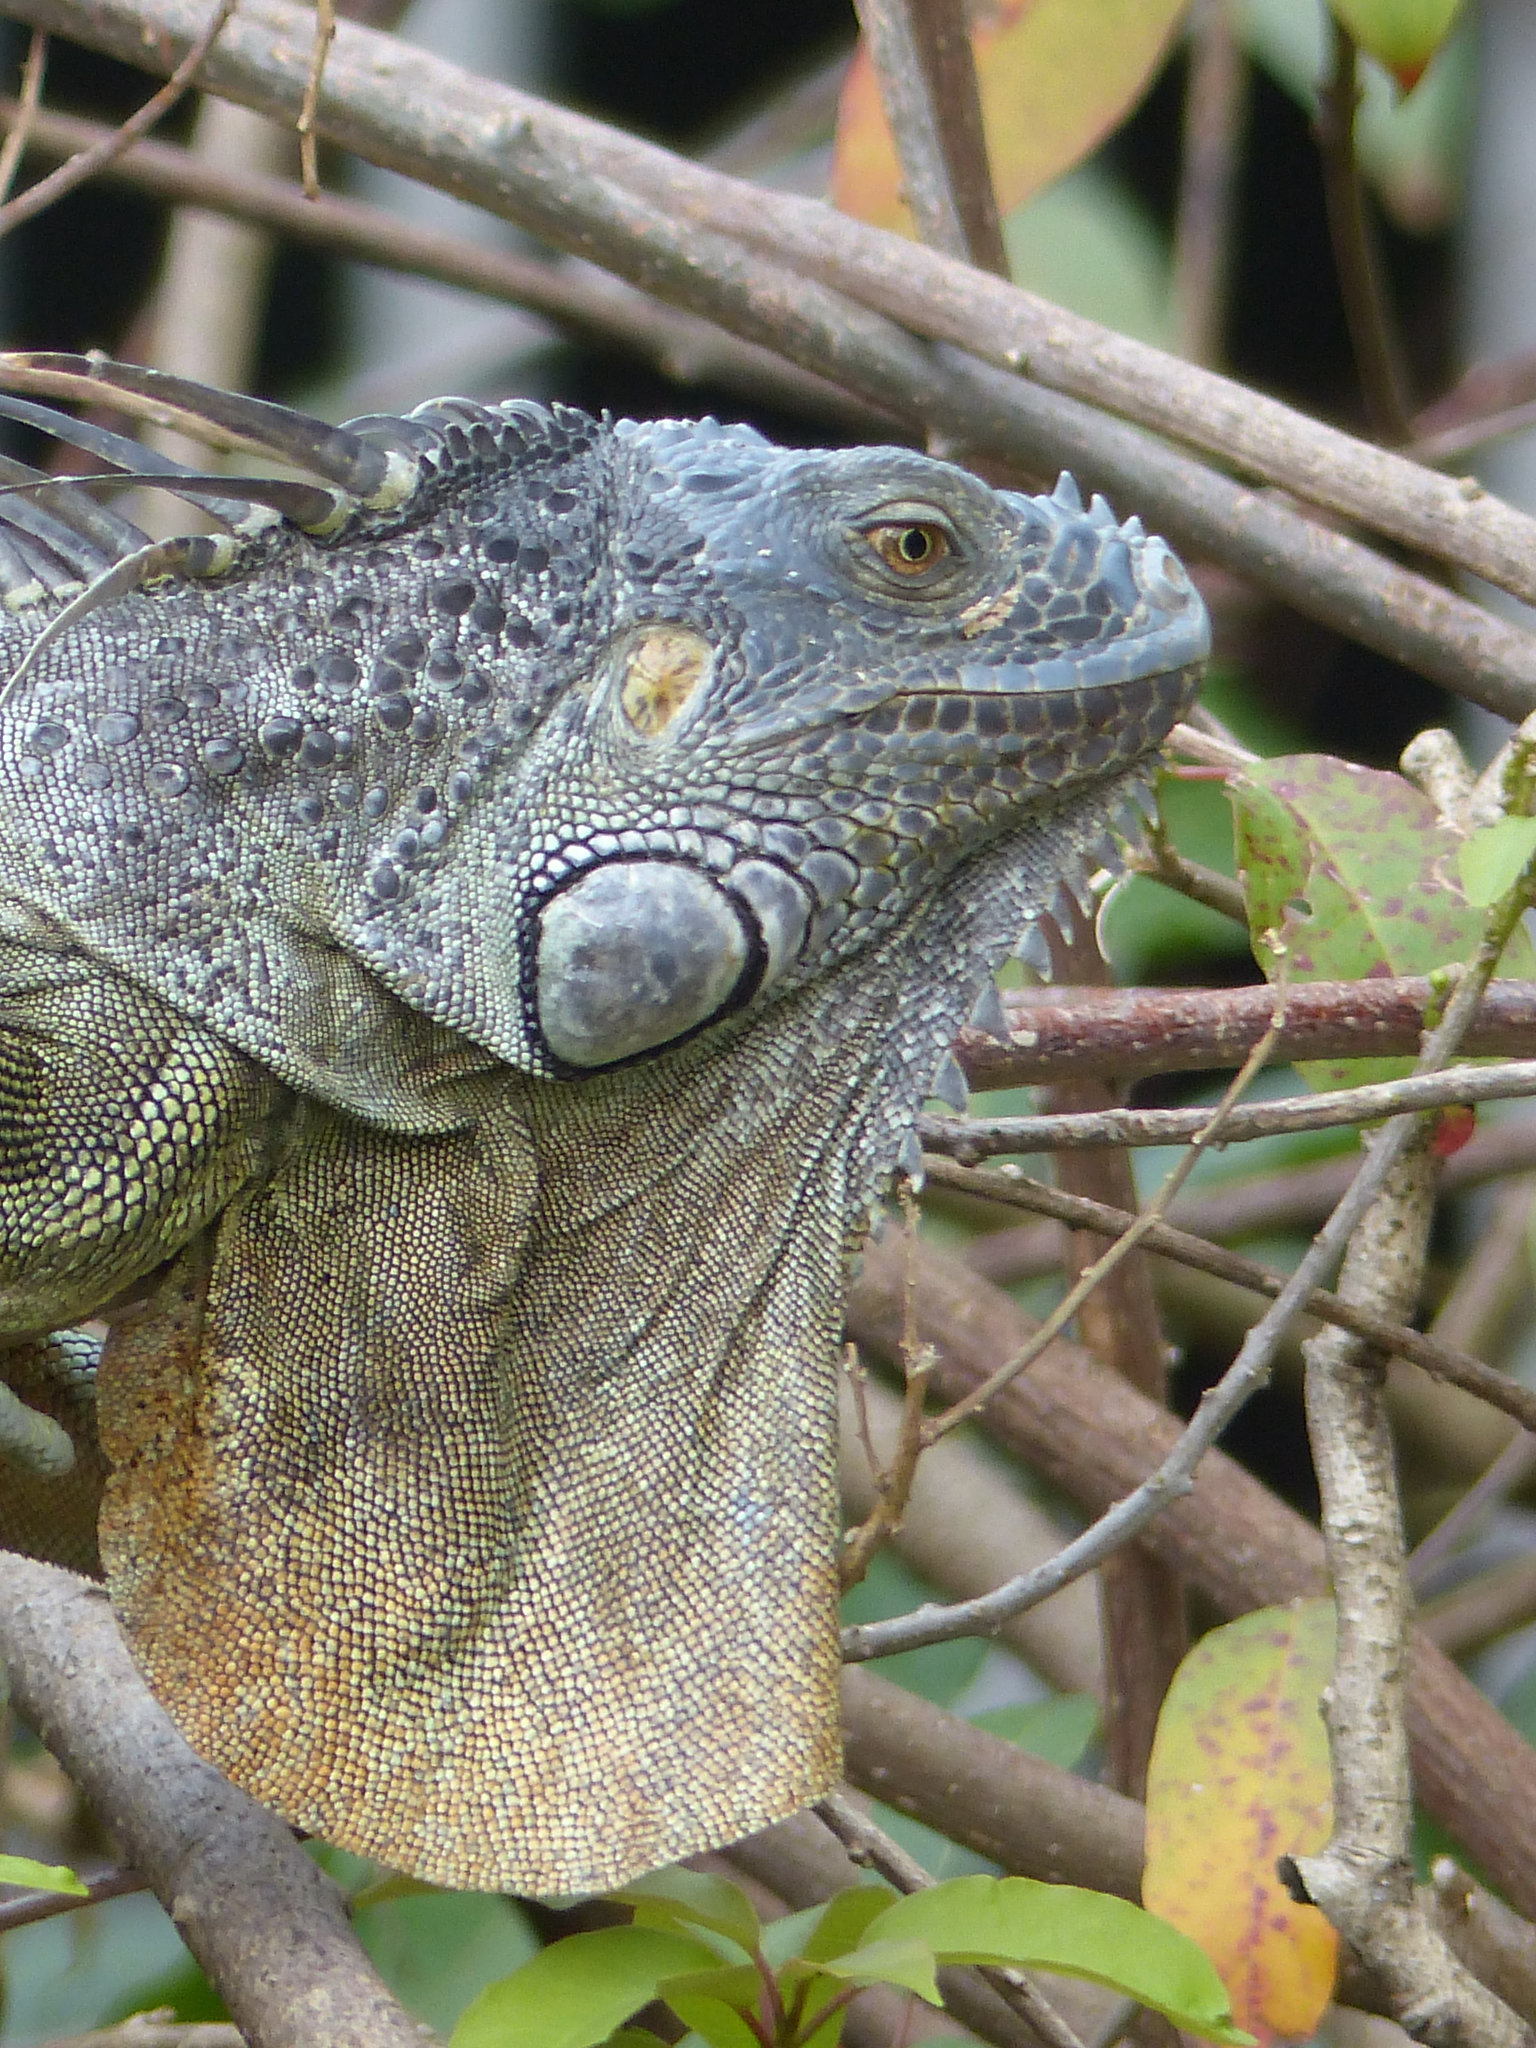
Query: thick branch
x,y
265,1923
1130,1032
1363,1880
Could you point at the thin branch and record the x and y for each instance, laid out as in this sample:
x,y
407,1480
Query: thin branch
x,y
893,1482
30,1907
542,166
1215,106
1507,384
921,51
68,177
1356,261
1441,1361
21,126
1482,1609
1248,1371
159,2029
969,1526
1143,1626
1162,862
1363,1879
970,1138
1214,1128
309,156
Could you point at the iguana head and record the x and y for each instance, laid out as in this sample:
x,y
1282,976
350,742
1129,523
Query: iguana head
x,y
580,738
825,679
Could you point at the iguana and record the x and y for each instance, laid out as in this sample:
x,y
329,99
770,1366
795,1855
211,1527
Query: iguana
x,y
474,936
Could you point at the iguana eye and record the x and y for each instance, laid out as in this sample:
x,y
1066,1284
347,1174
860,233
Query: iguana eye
x,y
910,547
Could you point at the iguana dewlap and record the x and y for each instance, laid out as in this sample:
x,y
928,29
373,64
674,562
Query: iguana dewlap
x,y
465,970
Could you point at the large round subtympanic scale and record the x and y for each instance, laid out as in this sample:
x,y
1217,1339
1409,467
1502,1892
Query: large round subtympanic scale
x,y
632,956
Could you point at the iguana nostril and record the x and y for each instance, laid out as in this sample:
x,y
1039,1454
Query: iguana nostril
x,y
662,673
634,955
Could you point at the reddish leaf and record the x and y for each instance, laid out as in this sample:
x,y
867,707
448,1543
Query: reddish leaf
x,y
1055,75
1239,1778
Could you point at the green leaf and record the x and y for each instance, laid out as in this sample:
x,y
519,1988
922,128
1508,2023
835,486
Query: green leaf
x,y
42,1877
1358,869
634,2037
575,1992
909,1964
1402,35
842,1921
685,1899
1060,1730
1492,859
1021,1922
711,2003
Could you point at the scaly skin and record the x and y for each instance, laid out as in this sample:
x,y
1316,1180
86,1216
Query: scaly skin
x,y
463,979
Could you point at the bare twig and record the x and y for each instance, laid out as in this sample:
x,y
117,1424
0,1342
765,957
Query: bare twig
x,y
309,157
969,1138
159,2029
68,177
573,295
264,1921
921,51
1482,1609
893,1481
1442,1361
1142,1619
1215,103
969,1526
26,111
30,1907
1162,862
1356,262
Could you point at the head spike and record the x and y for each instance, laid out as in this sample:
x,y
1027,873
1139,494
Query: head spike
x,y
909,1161
1066,493
950,1086
222,419
988,1014
1101,516
1034,949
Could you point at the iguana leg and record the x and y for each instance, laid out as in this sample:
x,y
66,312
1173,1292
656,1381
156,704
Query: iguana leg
x,y
123,1129
51,1467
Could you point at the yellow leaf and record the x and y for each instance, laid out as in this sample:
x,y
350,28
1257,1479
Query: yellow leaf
x,y
1055,76
1239,1778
